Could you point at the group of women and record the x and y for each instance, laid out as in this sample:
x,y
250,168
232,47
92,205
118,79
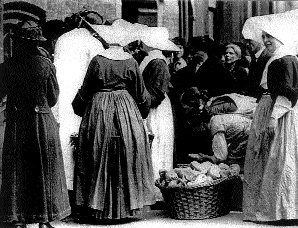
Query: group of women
x,y
270,168
121,103
212,76
126,133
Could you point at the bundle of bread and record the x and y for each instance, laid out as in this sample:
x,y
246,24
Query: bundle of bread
x,y
196,174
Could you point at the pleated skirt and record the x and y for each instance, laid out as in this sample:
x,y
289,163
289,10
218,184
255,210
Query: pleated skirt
x,y
113,165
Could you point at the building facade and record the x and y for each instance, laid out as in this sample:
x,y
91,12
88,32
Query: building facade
x,y
221,20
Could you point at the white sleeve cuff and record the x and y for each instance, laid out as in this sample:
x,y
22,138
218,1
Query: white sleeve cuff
x,y
282,106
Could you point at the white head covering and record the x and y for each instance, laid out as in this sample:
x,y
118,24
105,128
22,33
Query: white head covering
x,y
115,34
129,26
123,32
158,37
282,26
252,28
132,29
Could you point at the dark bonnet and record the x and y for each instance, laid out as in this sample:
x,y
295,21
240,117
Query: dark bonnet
x,y
29,30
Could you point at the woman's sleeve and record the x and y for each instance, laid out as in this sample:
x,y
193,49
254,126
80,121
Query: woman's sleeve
x,y
139,91
281,106
86,91
158,81
242,84
281,84
52,86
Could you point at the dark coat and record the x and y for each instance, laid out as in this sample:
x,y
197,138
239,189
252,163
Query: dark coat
x,y
239,75
34,185
211,76
256,69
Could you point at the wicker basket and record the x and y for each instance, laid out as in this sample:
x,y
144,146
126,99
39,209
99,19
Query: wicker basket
x,y
198,202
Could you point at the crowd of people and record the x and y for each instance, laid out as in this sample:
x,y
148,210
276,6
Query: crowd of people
x,y
137,102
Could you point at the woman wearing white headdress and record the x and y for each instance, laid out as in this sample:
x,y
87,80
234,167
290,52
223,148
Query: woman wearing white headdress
x,y
271,162
159,122
113,168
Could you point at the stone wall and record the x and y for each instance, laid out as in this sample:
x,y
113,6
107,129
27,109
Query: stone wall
x,y
59,9
109,9
170,17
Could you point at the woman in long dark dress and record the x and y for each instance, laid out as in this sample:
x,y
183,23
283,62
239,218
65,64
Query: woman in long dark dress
x,y
113,167
33,185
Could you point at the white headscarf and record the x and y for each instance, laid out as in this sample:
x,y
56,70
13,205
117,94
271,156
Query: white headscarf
x,y
157,37
115,35
282,26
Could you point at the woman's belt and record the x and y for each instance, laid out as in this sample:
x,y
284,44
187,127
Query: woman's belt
x,y
28,109
263,93
110,90
266,93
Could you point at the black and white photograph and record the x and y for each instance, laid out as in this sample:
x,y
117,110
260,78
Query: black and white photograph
x,y
148,113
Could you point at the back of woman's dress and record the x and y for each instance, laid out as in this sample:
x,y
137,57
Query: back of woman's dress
x,y
113,170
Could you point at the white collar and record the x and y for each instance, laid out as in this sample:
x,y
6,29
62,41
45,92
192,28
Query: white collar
x,y
116,53
257,55
154,54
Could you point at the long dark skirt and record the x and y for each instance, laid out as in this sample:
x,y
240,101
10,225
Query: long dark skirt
x,y
34,185
113,168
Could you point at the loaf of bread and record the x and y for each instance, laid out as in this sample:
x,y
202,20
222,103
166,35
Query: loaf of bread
x,y
187,174
223,166
204,167
195,165
214,172
234,169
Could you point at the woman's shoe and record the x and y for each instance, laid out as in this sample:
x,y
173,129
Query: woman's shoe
x,y
45,225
